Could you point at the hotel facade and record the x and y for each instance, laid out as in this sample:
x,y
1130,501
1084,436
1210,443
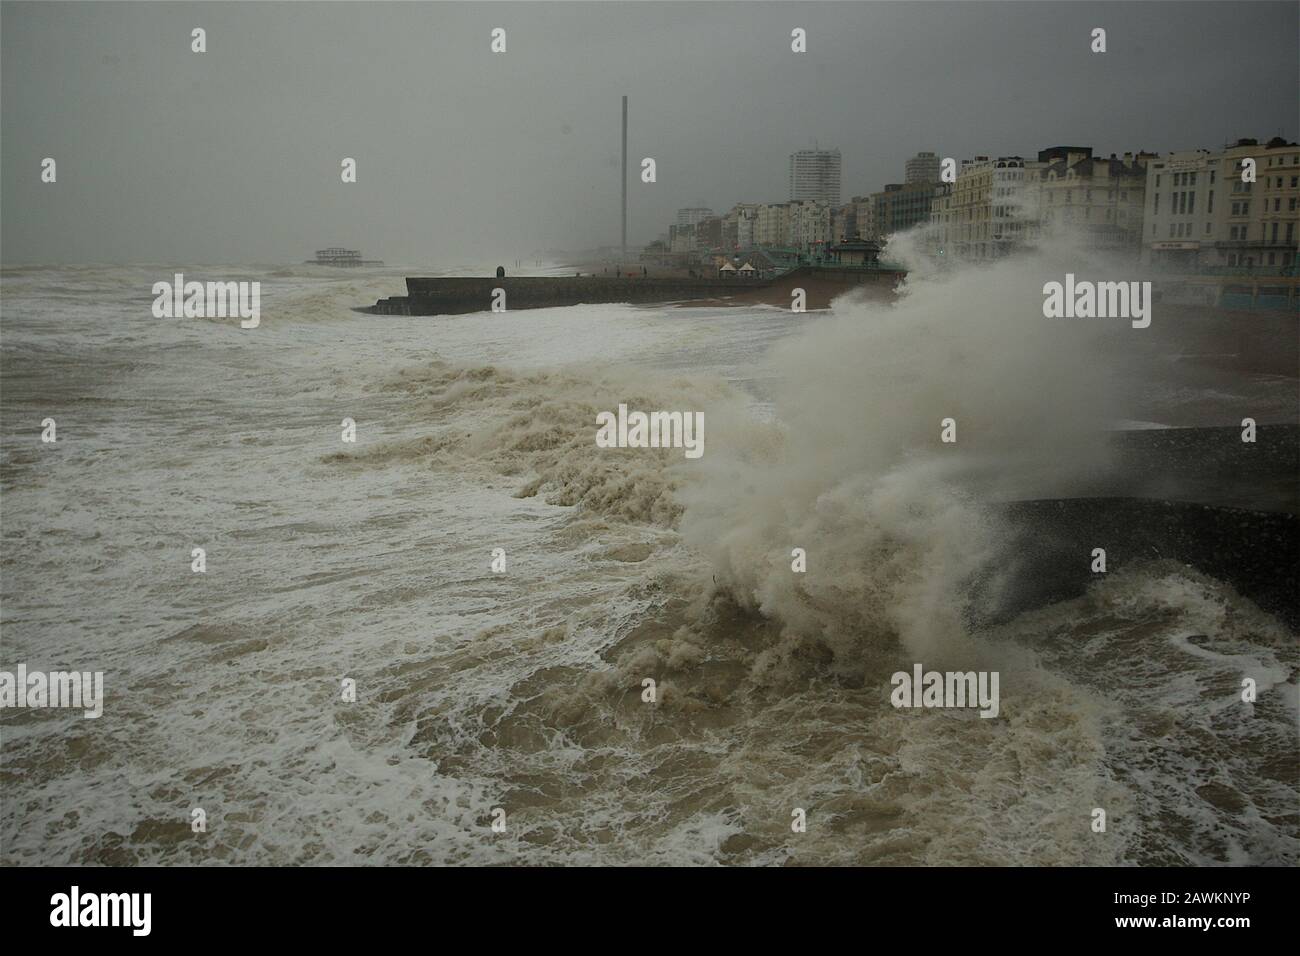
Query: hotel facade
x,y
1199,214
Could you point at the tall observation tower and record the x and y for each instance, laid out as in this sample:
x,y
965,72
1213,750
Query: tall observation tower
x,y
623,245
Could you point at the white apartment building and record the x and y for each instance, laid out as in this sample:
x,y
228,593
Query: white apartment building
x,y
692,215
843,222
939,236
681,238
1101,199
864,216
993,206
738,226
772,224
809,223
815,174
1201,215
922,168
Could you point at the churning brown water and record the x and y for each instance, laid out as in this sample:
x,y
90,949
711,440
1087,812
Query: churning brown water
x,y
523,690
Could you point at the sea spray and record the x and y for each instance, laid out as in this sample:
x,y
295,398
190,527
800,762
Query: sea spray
x,y
891,516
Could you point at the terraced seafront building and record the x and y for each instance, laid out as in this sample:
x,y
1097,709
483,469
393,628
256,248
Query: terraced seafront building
x,y
1093,196
1200,215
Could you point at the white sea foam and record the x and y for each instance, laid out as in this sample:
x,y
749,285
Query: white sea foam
x,y
522,690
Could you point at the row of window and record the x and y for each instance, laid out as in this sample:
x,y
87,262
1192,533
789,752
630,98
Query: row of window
x,y
1087,195
1181,203
1183,230
1184,204
1185,179
1069,215
1243,208
1189,179
1235,260
1265,233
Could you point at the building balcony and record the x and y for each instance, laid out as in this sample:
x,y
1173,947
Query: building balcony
x,y
1266,244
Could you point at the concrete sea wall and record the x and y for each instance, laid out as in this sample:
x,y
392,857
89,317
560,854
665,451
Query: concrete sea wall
x,y
459,295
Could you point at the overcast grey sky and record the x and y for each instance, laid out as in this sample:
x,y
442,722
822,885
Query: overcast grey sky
x,y
232,156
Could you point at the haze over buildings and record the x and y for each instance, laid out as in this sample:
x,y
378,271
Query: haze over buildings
x,y
463,155
1193,212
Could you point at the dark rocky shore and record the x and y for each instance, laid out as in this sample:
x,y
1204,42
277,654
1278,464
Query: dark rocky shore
x,y
1199,496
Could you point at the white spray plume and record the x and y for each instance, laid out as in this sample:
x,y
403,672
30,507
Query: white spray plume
x,y
854,471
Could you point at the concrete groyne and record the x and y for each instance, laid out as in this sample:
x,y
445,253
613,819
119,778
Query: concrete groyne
x,y
459,295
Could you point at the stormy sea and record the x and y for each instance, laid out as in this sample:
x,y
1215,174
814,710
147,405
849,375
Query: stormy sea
x,y
498,589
